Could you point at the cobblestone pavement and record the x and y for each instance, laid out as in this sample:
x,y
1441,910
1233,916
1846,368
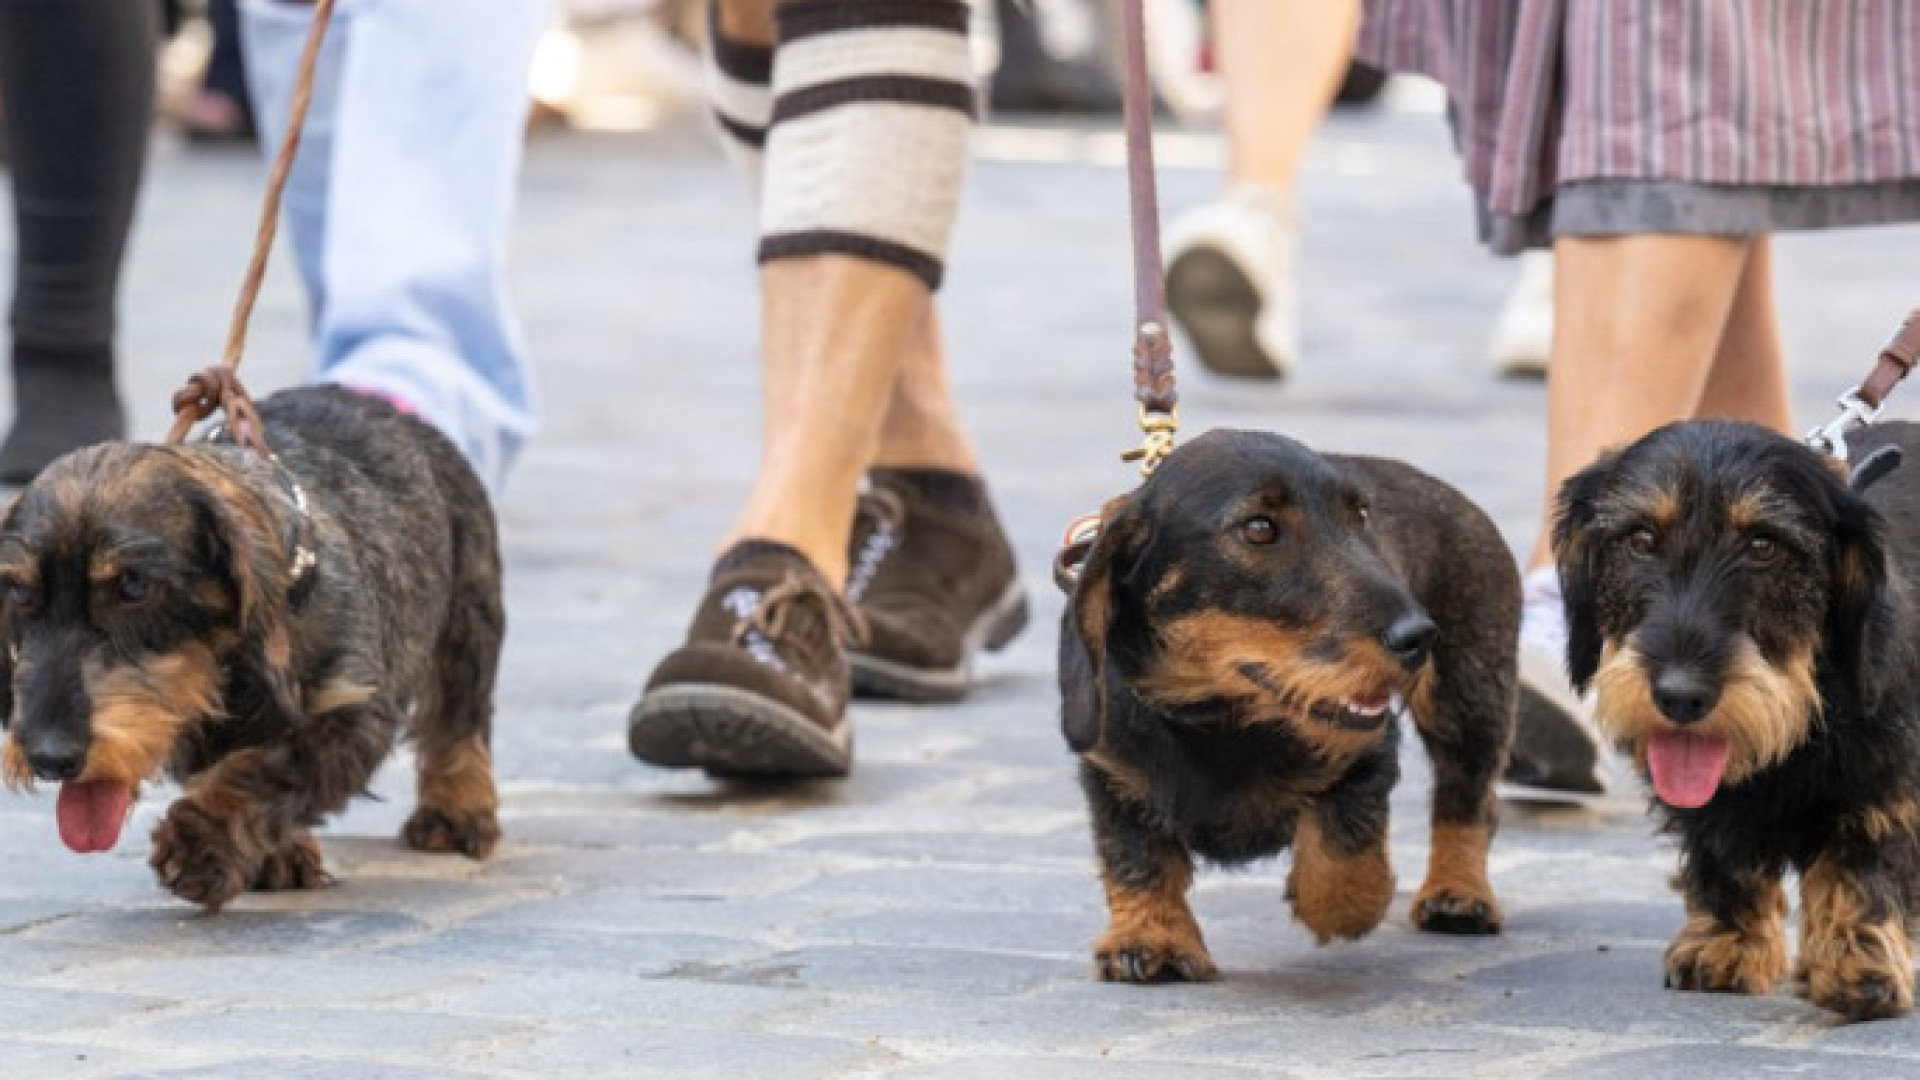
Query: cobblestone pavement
x,y
929,918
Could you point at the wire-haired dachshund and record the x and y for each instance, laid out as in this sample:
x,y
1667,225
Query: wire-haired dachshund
x,y
1239,635
260,630
1743,611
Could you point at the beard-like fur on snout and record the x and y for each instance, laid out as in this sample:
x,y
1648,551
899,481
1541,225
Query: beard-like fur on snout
x,y
1765,712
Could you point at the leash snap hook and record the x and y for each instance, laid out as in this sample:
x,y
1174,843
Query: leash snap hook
x,y
1157,432
1831,437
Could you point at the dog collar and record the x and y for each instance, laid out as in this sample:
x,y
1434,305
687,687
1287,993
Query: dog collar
x,y
300,569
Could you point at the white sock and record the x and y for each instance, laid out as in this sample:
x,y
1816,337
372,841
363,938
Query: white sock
x,y
1543,615
873,103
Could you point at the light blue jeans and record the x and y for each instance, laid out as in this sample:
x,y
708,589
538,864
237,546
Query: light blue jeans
x,y
401,201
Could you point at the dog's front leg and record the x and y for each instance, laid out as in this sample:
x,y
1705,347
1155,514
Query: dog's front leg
x,y
1854,950
1464,714
243,820
1151,933
1342,880
1735,938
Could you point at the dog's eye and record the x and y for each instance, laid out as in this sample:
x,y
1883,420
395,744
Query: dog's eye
x,y
1761,550
1259,530
1364,513
133,586
1641,542
21,596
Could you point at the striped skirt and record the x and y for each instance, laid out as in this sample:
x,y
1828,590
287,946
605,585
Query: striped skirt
x,y
1717,117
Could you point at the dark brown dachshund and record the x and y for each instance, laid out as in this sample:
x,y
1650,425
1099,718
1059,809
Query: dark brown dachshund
x,y
1229,667
263,633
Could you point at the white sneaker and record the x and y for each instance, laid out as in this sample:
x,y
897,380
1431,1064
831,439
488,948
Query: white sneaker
x,y
1522,338
1231,283
1559,753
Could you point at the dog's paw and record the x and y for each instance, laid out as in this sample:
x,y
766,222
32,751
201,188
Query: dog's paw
x,y
198,858
448,831
1863,975
1343,899
298,865
1448,908
1714,958
1164,955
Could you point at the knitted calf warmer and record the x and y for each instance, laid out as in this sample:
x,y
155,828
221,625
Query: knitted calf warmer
x,y
873,102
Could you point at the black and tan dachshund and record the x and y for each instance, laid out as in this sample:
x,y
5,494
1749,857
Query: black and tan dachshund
x,y
261,631
1744,614
1229,667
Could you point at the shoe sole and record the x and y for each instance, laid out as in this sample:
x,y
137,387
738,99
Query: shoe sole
x,y
995,629
733,732
1218,307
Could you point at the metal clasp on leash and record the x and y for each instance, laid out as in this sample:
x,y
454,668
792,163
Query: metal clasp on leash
x,y
1157,431
1831,437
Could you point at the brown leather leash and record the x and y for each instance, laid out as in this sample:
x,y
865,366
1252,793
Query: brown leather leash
x,y
1156,397
218,387
1861,405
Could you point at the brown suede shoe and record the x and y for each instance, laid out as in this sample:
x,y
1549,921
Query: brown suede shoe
x,y
935,578
760,687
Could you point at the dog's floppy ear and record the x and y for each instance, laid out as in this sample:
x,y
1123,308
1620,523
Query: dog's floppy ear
x,y
247,542
1856,610
1576,556
1089,621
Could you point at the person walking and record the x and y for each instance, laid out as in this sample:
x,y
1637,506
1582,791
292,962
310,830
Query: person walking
x,y
850,121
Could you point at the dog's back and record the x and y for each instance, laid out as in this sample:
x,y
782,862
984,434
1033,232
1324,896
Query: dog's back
x,y
408,508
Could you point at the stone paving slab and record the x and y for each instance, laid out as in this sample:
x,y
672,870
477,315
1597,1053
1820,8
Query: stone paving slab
x,y
928,919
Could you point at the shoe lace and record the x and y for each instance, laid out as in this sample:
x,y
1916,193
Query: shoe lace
x,y
878,520
796,611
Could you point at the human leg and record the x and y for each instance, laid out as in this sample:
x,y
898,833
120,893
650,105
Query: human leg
x,y
1230,277
864,156
401,218
77,77
1641,322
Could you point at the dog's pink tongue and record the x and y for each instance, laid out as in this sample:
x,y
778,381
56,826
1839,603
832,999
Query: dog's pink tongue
x,y
1686,767
91,814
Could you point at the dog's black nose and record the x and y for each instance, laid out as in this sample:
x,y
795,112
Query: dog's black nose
x,y
1683,695
1410,639
55,755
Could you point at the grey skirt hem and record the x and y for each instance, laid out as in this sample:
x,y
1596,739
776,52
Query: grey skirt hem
x,y
1629,207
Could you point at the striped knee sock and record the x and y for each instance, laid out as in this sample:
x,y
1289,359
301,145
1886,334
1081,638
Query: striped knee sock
x,y
873,101
739,85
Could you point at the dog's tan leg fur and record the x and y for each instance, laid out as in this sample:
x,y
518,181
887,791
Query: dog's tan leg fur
x,y
1457,887
458,806
1857,962
1337,895
1746,956
1151,934
215,842
297,865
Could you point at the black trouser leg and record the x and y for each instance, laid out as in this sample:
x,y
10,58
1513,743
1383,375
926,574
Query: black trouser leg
x,y
76,82
226,66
